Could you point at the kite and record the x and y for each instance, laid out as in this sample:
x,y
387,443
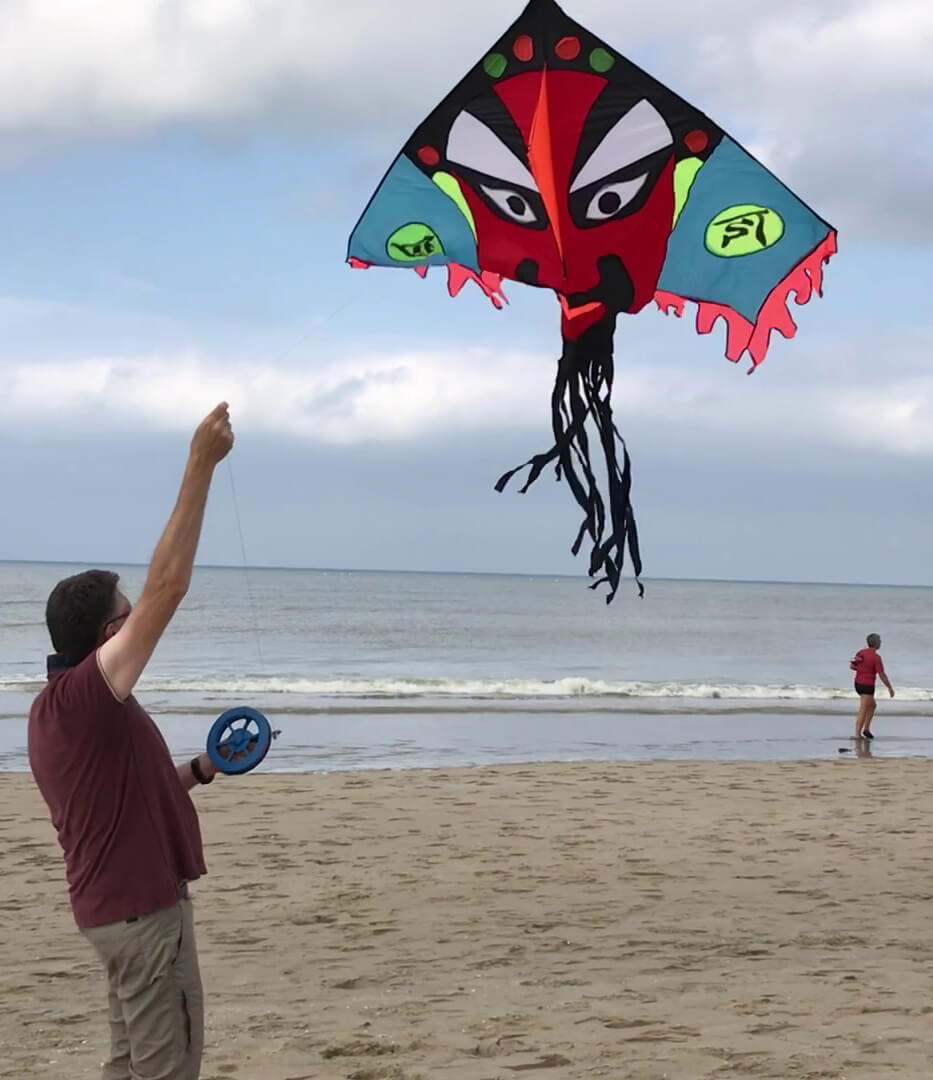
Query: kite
x,y
557,163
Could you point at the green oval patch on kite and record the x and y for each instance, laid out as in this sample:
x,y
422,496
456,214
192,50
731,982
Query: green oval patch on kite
x,y
602,60
743,230
414,242
494,65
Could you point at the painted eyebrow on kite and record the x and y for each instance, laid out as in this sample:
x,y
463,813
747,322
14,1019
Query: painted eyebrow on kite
x,y
474,145
640,133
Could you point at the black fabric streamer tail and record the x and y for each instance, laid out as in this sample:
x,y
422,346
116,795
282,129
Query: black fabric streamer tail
x,y
582,390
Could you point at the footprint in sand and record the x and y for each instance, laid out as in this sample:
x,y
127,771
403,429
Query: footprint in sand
x,y
549,1061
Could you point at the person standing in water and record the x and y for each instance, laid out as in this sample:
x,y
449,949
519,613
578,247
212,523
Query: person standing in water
x,y
867,665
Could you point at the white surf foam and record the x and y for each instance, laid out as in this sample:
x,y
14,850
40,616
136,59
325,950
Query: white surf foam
x,y
503,689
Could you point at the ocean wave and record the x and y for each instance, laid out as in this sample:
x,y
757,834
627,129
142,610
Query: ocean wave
x,y
490,689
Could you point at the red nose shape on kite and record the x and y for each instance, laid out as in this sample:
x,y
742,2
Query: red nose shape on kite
x,y
541,160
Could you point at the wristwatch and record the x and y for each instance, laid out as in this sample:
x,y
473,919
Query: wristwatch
x,y
197,773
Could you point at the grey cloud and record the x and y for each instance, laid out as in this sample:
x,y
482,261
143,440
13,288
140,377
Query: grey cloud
x,y
341,400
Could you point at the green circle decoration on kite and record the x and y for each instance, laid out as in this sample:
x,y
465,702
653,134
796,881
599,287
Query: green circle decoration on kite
x,y
494,65
602,60
414,243
743,230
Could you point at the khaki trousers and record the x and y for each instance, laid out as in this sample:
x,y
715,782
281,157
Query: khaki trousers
x,y
156,1000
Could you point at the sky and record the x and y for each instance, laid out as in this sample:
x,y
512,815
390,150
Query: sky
x,y
178,181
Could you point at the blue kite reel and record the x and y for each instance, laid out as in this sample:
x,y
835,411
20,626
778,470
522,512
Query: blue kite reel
x,y
244,744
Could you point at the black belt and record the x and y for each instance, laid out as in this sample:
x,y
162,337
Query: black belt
x,y
181,893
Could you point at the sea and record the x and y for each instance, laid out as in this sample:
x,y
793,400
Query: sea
x,y
378,670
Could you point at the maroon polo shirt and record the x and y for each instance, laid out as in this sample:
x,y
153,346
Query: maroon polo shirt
x,y
126,825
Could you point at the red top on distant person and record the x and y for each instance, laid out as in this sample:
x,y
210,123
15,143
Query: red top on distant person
x,y
867,665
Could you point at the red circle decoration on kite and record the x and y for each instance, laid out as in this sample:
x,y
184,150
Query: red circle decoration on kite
x,y
524,48
568,48
429,156
696,141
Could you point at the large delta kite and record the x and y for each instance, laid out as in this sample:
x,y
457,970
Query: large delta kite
x,y
558,163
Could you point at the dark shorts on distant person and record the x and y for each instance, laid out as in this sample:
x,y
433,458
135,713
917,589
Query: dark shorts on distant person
x,y
864,688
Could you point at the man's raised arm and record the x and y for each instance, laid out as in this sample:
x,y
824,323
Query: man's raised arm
x,y
124,655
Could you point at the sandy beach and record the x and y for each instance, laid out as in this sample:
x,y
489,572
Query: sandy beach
x,y
636,921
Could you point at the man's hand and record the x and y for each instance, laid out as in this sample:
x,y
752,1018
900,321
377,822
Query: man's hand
x,y
213,439
891,691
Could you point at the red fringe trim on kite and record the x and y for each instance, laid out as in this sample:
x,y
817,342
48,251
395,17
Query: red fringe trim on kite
x,y
490,283
457,277
742,335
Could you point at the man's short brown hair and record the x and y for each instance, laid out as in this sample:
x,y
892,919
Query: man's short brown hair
x,y
77,611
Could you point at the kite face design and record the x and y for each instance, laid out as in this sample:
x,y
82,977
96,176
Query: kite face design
x,y
557,211
559,164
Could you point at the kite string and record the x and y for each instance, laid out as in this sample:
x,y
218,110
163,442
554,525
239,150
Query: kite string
x,y
317,325
299,340
249,591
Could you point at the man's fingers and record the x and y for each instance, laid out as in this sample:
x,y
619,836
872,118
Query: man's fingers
x,y
220,414
218,423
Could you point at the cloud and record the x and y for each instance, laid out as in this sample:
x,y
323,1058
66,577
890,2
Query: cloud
x,y
832,94
839,98
836,397
388,398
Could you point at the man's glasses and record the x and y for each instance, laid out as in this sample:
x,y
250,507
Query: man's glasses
x,y
118,618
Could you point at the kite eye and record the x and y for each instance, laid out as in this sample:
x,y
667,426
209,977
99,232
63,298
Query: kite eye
x,y
513,204
611,198
638,135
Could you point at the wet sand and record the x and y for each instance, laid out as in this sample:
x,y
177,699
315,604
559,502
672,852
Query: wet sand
x,y
681,920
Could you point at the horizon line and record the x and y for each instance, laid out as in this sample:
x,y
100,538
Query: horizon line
x,y
472,573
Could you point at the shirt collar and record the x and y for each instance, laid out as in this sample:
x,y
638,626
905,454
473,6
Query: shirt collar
x,y
55,664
